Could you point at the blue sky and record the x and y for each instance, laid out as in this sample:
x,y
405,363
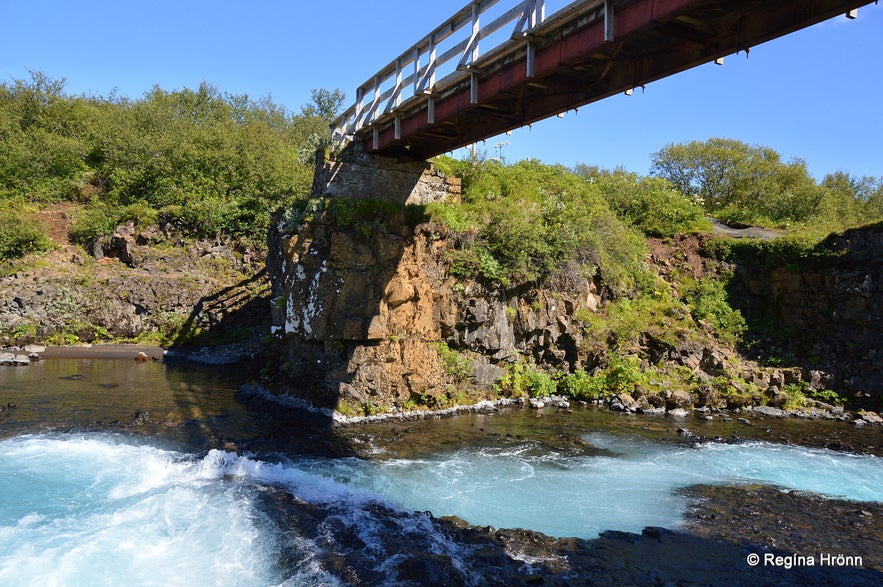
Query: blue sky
x,y
816,94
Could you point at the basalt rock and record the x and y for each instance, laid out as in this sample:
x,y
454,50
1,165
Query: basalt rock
x,y
119,245
141,289
363,319
778,398
709,397
679,399
623,402
828,309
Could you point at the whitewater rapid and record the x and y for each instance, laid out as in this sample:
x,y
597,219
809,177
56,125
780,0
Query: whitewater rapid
x,y
102,509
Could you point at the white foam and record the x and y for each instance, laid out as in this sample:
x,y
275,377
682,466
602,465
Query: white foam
x,y
97,511
823,471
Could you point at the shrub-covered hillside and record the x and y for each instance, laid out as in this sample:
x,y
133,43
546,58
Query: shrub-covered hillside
x,y
200,162
194,174
531,225
531,222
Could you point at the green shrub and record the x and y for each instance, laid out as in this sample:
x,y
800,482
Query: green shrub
x,y
98,219
708,300
536,223
524,379
457,365
653,205
454,217
539,384
801,392
20,235
796,397
827,396
622,374
489,267
475,261
582,386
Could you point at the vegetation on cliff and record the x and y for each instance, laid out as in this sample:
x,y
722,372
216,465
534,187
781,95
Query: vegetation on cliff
x,y
542,226
536,223
200,162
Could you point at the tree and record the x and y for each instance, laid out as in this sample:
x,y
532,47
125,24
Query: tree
x,y
651,204
740,182
874,205
325,104
851,201
315,119
45,138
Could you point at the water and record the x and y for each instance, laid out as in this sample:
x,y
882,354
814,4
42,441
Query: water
x,y
116,503
629,489
96,511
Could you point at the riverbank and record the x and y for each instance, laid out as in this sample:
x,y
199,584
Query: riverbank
x,y
656,556
222,354
835,428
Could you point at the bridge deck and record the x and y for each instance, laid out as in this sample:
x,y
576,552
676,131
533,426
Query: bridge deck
x,y
588,51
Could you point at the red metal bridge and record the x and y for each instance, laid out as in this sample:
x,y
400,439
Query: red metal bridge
x,y
497,65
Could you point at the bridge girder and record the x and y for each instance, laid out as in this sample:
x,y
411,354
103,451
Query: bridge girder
x,y
591,56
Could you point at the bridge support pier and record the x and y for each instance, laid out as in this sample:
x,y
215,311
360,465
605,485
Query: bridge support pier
x,y
354,287
354,173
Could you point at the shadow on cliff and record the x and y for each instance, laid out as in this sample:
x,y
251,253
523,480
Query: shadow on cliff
x,y
352,314
821,309
225,335
235,313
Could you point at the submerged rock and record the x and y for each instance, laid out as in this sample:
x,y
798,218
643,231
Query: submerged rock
x,y
381,545
768,411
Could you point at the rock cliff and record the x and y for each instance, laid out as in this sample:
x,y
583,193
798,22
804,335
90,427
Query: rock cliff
x,y
365,325
825,311
139,284
368,318
365,317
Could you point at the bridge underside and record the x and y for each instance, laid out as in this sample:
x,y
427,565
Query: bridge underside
x,y
579,63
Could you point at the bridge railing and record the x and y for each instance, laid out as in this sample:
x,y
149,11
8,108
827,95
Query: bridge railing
x,y
444,57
